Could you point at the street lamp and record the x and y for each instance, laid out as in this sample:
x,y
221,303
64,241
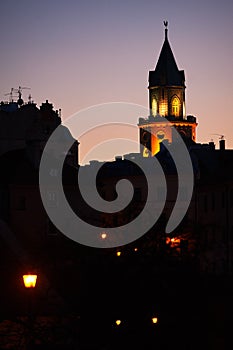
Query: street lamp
x,y
29,281
154,320
118,322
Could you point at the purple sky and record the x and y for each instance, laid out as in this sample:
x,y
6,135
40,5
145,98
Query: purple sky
x,y
80,53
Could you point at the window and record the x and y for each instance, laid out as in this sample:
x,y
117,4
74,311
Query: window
x,y
154,106
175,106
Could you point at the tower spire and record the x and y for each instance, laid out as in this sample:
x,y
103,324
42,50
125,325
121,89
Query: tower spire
x,y
166,30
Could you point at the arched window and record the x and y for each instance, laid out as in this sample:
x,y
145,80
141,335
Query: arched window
x,y
154,106
175,106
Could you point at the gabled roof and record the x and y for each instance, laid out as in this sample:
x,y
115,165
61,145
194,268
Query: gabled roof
x,y
166,71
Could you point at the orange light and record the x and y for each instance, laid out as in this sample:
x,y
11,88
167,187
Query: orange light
x,y
103,235
172,239
135,249
29,281
118,253
118,322
155,320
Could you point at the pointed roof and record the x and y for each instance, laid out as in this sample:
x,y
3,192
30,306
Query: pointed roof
x,y
166,71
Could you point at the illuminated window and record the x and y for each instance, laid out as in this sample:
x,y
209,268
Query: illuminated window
x,y
175,106
163,109
154,107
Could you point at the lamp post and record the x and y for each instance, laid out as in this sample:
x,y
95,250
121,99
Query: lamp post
x,y
29,281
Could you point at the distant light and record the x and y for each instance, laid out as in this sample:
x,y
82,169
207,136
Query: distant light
x,y
118,253
103,235
118,322
175,241
29,281
135,249
155,320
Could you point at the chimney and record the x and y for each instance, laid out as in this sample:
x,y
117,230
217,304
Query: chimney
x,y
211,145
222,145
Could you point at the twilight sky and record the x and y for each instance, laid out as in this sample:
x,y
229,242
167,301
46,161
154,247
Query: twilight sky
x,y
80,53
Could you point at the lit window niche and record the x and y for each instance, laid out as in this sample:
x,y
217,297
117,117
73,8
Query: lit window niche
x,y
175,106
154,106
163,109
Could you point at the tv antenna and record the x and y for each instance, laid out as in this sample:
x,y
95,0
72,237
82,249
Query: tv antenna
x,y
10,94
19,91
221,137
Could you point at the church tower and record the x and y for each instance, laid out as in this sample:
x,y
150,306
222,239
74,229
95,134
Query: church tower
x,y
167,104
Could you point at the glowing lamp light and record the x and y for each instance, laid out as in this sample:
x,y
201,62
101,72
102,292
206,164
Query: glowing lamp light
x,y
29,281
118,253
154,320
135,249
103,235
118,322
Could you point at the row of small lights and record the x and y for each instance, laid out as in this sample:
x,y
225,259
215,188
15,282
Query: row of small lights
x,y
118,253
30,282
154,320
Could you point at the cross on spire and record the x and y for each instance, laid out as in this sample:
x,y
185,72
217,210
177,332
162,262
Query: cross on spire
x,y
165,24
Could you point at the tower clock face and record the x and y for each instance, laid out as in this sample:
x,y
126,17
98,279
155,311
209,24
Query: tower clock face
x,y
160,135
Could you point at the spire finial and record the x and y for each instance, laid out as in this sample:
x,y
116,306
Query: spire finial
x,y
165,24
